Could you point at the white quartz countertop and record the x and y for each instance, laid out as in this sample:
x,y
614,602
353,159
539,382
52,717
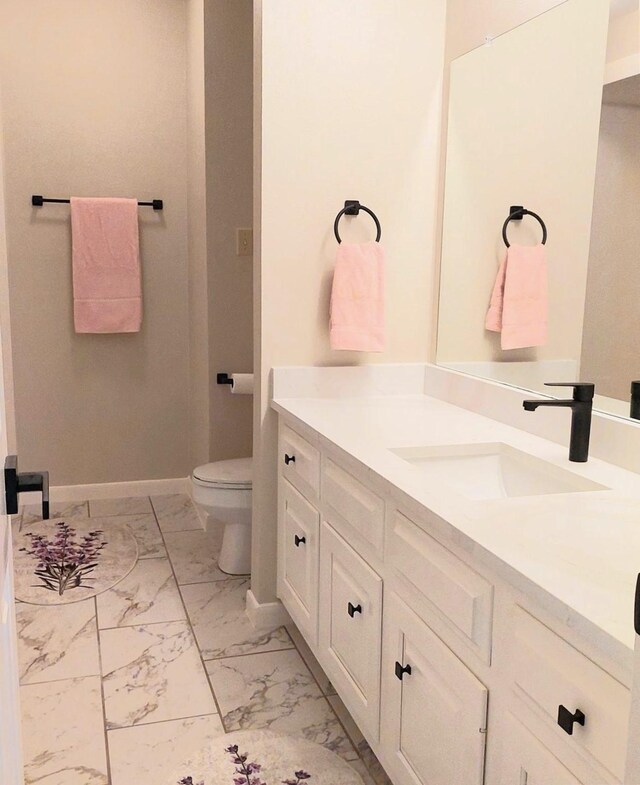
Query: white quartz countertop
x,y
576,553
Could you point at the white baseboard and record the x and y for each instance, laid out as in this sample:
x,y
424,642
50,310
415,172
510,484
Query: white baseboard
x,y
266,615
111,490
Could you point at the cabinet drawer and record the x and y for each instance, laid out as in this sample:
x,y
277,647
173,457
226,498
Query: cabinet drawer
x,y
351,627
462,596
361,509
550,673
300,463
526,761
298,554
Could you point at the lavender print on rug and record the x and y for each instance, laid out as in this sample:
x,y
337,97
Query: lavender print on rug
x,y
57,563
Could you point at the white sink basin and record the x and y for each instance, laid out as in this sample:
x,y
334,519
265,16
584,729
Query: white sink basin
x,y
493,471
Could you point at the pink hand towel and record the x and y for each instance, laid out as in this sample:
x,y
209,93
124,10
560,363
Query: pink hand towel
x,y
107,286
519,302
357,298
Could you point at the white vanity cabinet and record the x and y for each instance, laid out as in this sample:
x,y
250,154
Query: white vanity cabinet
x,y
528,762
298,552
452,675
435,710
351,626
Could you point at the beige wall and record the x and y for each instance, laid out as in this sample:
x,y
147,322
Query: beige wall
x,y
95,104
199,375
8,422
229,93
350,110
610,347
522,130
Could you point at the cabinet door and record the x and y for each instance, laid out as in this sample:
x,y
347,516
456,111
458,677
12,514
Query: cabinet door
x,y
350,627
434,708
298,551
526,761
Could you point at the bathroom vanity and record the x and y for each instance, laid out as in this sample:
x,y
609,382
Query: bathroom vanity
x,y
467,589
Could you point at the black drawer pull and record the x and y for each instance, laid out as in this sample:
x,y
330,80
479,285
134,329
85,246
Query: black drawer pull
x,y
400,670
353,609
566,719
636,608
289,459
299,541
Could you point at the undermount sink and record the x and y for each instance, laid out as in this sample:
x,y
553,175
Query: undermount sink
x,y
493,471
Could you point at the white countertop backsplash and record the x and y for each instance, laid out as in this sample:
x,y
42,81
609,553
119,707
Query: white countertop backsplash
x,y
578,554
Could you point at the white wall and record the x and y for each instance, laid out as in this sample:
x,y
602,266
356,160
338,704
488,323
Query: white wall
x,y
351,99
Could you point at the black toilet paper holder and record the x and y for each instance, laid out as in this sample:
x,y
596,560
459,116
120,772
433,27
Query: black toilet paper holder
x,y
224,378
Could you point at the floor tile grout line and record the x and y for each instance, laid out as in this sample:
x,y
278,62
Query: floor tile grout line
x,y
57,681
248,654
195,640
141,624
227,577
161,722
102,698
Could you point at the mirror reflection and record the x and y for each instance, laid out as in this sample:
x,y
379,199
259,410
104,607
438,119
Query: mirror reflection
x,y
540,275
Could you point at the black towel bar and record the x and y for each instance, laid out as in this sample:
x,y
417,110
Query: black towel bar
x,y
37,201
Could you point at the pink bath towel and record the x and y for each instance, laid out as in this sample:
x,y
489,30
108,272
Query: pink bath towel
x,y
519,302
357,298
107,288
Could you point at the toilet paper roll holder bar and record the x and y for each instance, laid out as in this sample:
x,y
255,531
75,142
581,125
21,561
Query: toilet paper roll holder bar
x,y
224,378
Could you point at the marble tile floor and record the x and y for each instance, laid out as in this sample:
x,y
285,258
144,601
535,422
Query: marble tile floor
x,y
124,687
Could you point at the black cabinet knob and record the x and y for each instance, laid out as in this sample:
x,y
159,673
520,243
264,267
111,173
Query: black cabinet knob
x,y
299,541
401,670
353,609
289,459
566,719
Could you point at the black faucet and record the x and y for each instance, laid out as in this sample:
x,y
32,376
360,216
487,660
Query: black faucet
x,y
581,406
635,401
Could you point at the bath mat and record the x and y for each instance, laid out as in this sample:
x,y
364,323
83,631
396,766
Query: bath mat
x,y
57,562
264,758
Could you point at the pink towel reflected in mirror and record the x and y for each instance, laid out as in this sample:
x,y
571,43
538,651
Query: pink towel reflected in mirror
x,y
519,302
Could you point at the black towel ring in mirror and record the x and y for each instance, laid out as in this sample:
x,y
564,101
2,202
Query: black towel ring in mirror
x,y
353,207
516,214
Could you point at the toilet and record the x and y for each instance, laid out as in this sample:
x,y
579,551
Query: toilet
x,y
223,490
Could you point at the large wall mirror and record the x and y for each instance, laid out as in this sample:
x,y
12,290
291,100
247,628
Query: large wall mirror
x,y
546,117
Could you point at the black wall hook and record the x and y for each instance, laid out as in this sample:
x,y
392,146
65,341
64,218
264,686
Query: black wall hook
x,y
353,207
517,213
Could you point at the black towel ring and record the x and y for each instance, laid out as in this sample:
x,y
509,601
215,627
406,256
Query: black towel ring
x,y
516,214
352,207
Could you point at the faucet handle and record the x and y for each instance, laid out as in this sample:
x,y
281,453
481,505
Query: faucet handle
x,y
582,391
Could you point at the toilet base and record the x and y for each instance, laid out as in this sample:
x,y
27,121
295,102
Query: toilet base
x,y
235,554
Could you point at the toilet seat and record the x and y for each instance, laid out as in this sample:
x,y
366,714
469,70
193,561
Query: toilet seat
x,y
234,474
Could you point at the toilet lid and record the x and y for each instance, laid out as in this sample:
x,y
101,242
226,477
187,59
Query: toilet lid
x,y
235,473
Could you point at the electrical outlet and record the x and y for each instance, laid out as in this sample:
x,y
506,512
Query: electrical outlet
x,y
244,242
